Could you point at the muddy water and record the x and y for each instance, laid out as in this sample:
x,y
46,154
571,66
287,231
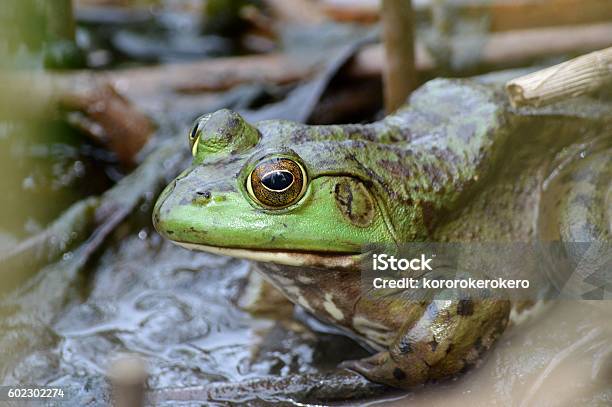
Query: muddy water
x,y
176,309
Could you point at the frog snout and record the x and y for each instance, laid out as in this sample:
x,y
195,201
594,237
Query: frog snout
x,y
190,208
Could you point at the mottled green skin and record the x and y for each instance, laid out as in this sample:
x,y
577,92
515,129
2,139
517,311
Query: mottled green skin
x,y
457,164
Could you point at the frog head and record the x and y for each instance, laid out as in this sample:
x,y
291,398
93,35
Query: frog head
x,y
280,192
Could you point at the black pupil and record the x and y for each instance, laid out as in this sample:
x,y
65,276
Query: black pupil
x,y
194,131
277,180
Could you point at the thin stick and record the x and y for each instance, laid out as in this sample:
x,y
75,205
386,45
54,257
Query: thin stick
x,y
399,73
575,77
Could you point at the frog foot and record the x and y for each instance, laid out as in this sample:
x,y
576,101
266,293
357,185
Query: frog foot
x,y
450,337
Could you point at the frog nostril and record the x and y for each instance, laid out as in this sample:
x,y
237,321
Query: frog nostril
x,y
206,194
202,197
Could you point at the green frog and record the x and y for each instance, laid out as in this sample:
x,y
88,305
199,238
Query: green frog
x,y
456,164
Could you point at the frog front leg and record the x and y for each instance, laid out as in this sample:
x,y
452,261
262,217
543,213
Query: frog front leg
x,y
447,339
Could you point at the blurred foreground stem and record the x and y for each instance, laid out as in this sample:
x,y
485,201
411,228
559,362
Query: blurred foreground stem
x,y
37,34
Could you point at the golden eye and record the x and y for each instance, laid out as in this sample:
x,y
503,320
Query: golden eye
x,y
277,182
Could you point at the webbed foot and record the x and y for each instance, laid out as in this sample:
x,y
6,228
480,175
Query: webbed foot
x,y
449,338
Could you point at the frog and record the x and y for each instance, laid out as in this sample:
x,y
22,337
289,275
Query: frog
x,y
457,163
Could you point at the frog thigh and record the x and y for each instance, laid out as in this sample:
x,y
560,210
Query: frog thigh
x,y
449,338
587,213
576,208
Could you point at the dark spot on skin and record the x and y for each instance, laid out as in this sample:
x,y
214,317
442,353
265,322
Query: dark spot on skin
x,y
345,199
354,201
370,133
396,168
399,374
478,345
434,345
465,308
232,124
299,134
372,175
428,211
404,346
435,174
170,232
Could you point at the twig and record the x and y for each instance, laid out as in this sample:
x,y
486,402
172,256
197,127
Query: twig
x,y
92,105
501,15
106,117
399,73
575,77
518,15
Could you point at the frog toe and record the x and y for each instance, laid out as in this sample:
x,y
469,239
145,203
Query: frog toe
x,y
381,368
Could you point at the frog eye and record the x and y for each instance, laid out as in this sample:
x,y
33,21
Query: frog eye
x,y
276,183
194,133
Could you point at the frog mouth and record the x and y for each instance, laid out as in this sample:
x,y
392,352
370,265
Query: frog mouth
x,y
289,258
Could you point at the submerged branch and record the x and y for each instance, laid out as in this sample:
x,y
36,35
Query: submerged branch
x,y
500,15
338,385
69,230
